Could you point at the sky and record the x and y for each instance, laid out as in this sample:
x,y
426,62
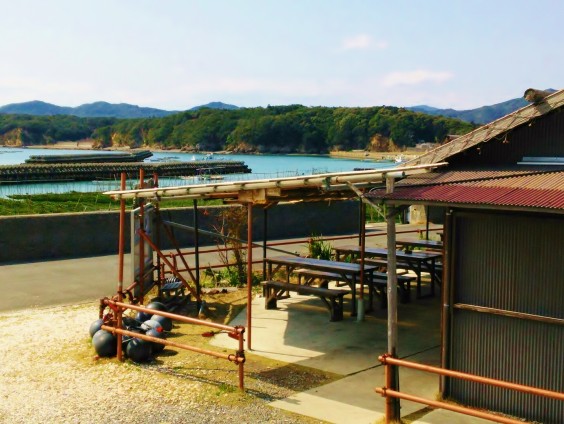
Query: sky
x,y
176,54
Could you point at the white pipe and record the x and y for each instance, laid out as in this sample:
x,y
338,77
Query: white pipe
x,y
321,180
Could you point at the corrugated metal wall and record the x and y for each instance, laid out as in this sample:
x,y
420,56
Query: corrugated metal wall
x,y
514,263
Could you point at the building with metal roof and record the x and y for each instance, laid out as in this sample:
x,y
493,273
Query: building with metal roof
x,y
501,197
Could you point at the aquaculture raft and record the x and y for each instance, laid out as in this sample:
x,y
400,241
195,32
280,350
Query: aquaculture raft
x,y
137,156
48,172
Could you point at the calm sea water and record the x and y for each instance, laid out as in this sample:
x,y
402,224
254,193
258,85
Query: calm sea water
x,y
262,166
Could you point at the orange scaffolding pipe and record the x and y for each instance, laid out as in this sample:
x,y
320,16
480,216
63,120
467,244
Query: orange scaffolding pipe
x,y
236,332
389,361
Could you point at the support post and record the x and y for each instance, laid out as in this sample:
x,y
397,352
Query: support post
x,y
160,269
393,410
362,235
447,301
264,241
121,248
361,218
249,271
241,365
426,222
197,255
141,241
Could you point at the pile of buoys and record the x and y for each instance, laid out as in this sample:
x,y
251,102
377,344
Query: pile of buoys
x,y
105,343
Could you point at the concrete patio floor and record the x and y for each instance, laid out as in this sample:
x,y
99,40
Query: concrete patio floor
x,y
300,332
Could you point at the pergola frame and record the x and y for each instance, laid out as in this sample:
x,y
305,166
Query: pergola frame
x,y
269,192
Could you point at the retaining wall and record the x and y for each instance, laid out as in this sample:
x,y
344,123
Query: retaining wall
x,y
60,236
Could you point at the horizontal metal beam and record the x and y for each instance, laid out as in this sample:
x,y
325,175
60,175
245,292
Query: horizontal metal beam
x,y
318,181
506,313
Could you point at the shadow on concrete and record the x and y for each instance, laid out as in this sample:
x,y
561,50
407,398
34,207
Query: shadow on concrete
x,y
300,332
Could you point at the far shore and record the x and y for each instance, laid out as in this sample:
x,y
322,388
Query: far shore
x,y
361,154
354,154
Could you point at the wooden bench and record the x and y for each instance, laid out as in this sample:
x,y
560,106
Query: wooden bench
x,y
378,284
402,267
332,298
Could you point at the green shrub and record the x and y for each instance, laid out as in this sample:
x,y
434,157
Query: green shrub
x,y
319,248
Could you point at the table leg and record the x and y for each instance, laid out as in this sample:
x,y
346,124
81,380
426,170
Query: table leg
x,y
419,296
288,272
370,276
433,277
353,295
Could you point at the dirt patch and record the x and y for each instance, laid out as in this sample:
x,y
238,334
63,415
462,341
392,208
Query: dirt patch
x,y
50,374
264,378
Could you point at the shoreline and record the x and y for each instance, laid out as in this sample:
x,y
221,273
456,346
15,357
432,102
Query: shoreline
x,y
372,156
87,145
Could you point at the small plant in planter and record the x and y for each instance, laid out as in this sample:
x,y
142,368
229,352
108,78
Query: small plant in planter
x,y
319,248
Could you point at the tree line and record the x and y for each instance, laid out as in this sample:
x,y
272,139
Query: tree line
x,y
273,129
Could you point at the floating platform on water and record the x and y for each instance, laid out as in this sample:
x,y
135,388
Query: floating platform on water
x,y
50,172
135,156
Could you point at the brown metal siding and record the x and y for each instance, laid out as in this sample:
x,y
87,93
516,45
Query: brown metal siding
x,y
519,351
515,263
541,137
511,262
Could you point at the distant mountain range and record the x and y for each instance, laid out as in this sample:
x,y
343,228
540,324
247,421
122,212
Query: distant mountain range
x,y
216,105
481,115
99,109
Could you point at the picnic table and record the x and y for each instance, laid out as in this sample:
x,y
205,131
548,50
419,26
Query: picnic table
x,y
348,272
415,261
410,243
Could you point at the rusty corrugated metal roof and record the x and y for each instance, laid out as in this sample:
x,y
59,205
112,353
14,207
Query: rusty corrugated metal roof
x,y
538,190
468,175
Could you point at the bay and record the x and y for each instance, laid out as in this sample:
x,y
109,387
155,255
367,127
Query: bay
x,y
262,166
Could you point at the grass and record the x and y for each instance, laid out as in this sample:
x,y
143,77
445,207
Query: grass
x,y
33,204
265,379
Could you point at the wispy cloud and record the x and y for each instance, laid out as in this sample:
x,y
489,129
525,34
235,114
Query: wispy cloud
x,y
415,77
35,87
245,85
363,42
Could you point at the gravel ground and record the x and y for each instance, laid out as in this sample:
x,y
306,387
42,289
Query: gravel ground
x,y
49,374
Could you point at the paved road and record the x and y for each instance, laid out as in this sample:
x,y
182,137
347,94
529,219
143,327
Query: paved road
x,y
40,284
69,281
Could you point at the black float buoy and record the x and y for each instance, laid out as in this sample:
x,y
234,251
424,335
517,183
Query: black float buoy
x,y
95,326
130,323
104,343
152,324
142,316
164,321
139,350
157,306
157,347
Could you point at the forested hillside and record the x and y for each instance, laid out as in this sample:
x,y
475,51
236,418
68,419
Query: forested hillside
x,y
274,129
24,130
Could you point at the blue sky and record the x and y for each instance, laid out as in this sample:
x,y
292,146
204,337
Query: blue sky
x,y
175,54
